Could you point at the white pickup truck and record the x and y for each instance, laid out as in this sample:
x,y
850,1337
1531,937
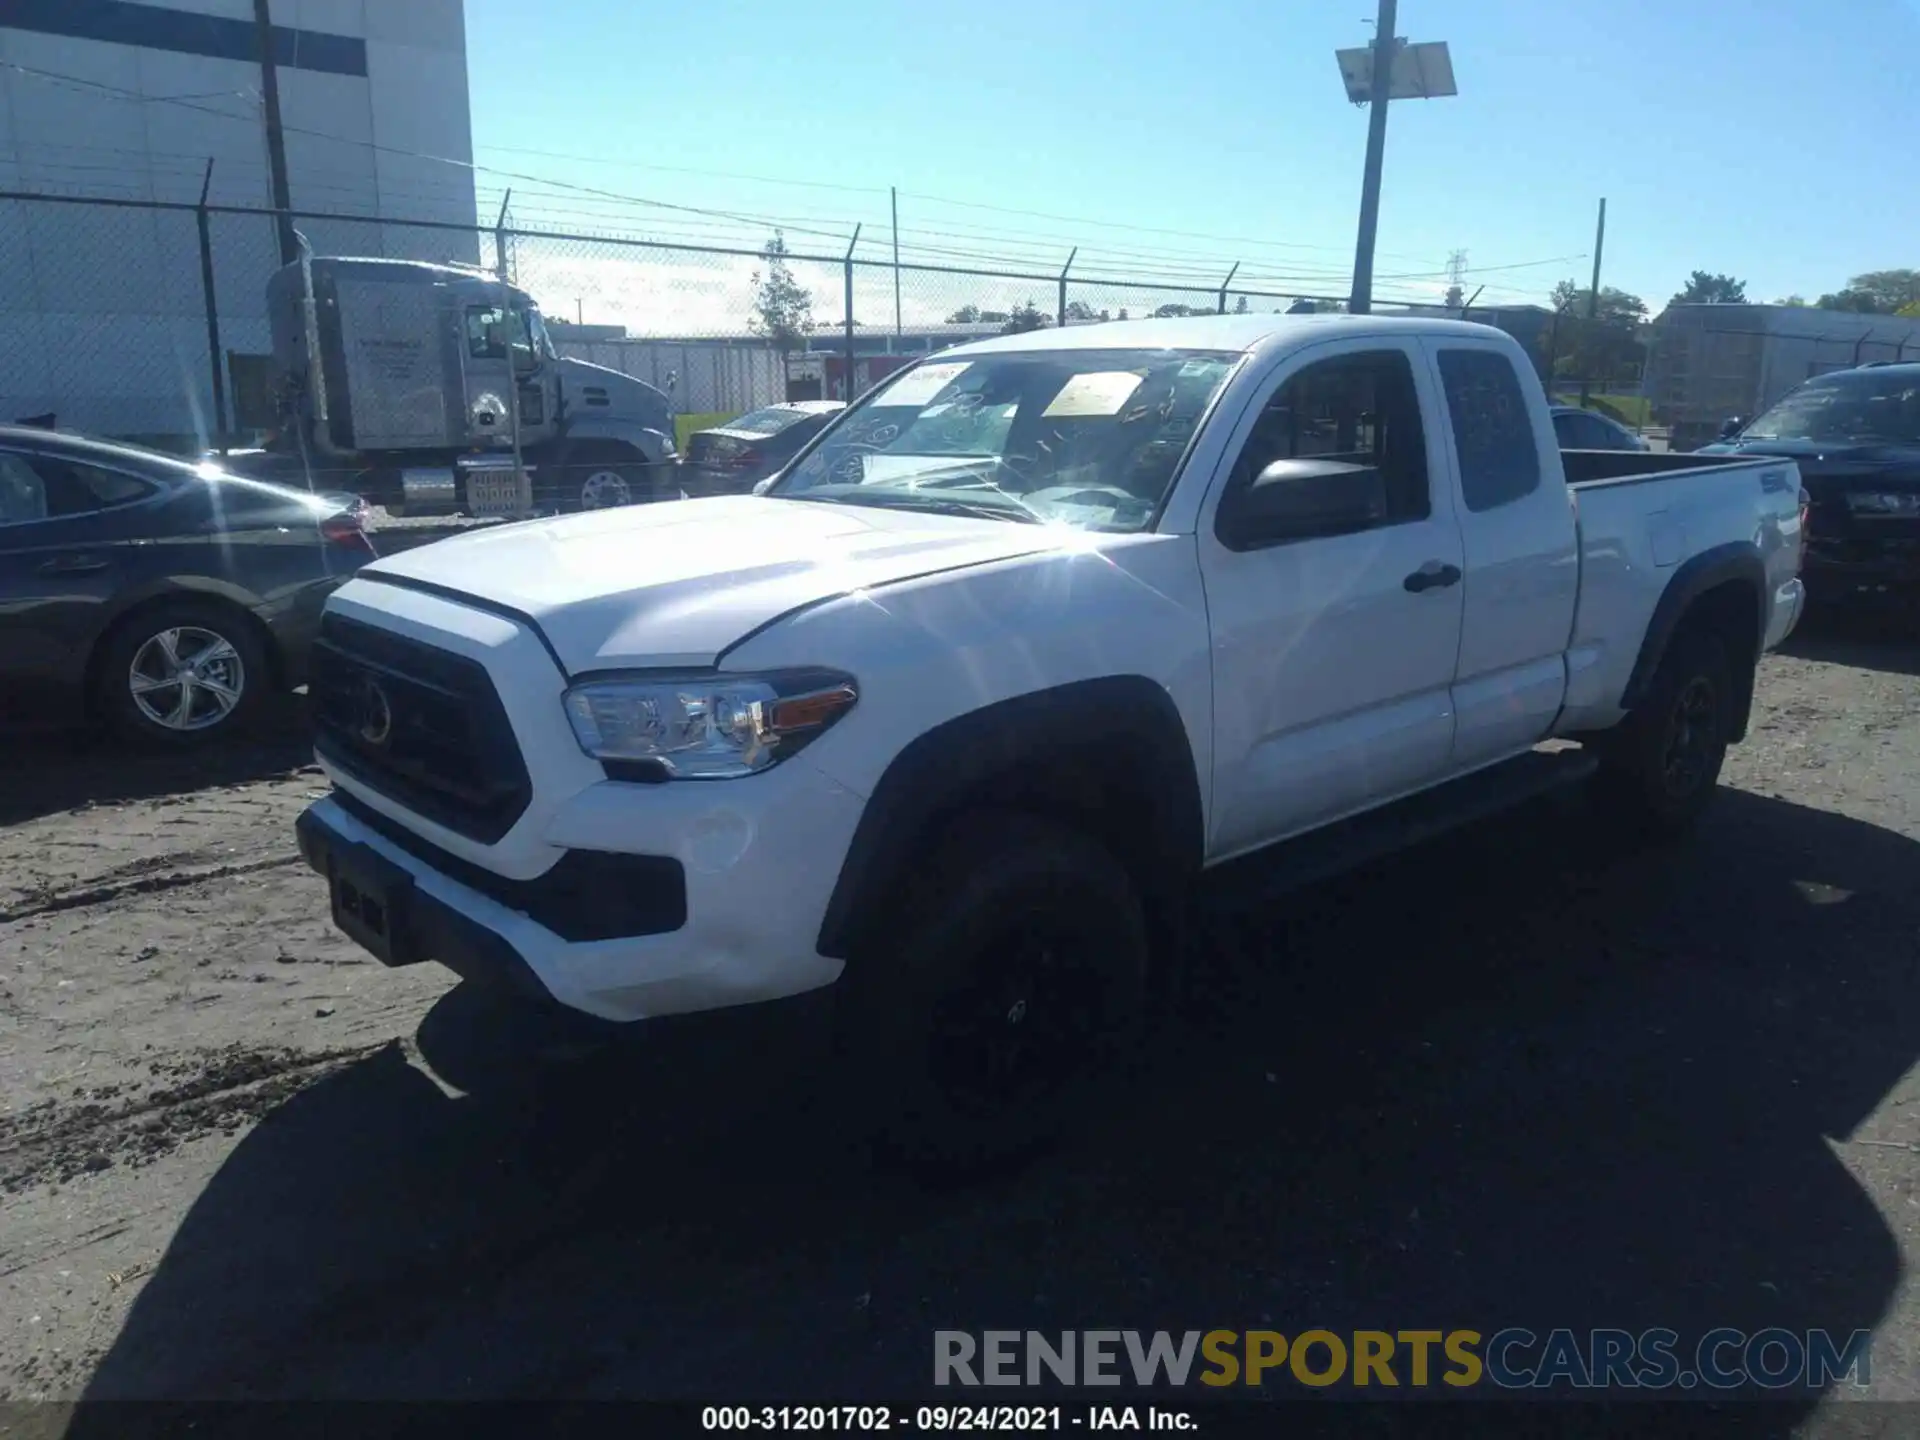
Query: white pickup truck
x,y
954,714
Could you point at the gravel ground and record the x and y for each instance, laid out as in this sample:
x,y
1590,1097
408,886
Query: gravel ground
x,y
1520,1077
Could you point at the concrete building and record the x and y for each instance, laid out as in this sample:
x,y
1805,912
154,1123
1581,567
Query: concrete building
x,y
1708,363
103,314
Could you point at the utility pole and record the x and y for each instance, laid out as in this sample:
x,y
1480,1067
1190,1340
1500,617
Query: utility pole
x,y
1375,76
1593,290
1384,45
893,199
276,139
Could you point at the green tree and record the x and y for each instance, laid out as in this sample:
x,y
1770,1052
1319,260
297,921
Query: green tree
x,y
1456,297
1878,292
1023,318
782,306
1705,288
1166,310
1240,306
1798,302
965,315
1080,310
1604,348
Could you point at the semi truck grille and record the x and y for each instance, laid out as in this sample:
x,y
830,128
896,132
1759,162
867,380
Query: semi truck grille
x,y
418,724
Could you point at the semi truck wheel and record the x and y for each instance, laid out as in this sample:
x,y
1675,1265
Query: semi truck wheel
x,y
599,477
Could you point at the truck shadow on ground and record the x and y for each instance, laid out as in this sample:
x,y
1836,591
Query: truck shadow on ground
x,y
46,771
1517,1079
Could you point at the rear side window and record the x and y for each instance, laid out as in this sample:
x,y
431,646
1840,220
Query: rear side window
x,y
1492,432
47,487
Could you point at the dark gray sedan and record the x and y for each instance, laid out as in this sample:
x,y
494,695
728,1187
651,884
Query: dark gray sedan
x,y
730,458
161,597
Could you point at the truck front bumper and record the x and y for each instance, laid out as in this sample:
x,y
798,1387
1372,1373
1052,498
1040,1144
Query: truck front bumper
x,y
742,930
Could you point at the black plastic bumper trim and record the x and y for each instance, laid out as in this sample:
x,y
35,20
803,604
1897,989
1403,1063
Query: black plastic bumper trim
x,y
588,895
433,930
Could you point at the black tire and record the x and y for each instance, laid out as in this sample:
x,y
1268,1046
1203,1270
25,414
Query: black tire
x,y
215,647
1004,990
602,477
1660,769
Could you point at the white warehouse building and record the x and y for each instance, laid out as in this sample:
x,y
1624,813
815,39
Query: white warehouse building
x,y
103,314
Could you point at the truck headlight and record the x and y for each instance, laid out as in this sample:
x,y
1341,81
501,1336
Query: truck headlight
x,y
1884,502
705,727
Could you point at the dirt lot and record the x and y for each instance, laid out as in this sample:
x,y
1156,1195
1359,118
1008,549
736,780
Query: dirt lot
x,y
1518,1078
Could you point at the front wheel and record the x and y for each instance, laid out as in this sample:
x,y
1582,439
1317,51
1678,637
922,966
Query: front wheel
x,y
181,674
1660,770
1009,984
598,479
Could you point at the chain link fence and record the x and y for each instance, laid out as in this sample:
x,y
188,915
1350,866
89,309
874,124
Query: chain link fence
x,y
148,320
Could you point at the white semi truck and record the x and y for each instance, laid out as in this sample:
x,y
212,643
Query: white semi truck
x,y
435,388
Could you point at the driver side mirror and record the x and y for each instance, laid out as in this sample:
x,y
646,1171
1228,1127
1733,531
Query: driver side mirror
x,y
1731,426
1301,500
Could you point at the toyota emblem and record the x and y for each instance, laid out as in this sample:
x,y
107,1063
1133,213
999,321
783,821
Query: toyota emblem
x,y
376,713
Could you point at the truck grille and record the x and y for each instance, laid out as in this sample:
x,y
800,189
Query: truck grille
x,y
418,724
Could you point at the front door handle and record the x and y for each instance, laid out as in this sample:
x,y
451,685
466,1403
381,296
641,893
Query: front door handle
x,y
1432,576
74,565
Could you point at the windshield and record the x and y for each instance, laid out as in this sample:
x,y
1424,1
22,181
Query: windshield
x,y
1090,438
1859,405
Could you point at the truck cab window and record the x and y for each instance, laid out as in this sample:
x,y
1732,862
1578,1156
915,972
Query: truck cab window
x,y
490,330
1358,408
1492,432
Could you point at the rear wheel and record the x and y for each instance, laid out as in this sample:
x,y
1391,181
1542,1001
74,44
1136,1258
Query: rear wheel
x,y
1661,769
180,674
1006,991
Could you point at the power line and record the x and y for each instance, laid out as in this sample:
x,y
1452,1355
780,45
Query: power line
x,y
1180,267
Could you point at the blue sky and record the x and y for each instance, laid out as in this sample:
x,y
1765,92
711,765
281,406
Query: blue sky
x,y
1775,141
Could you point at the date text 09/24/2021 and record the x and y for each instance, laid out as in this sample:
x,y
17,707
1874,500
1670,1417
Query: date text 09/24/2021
x,y
939,1419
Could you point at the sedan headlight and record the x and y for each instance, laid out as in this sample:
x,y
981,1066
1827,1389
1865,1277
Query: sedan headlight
x,y
705,727
1884,502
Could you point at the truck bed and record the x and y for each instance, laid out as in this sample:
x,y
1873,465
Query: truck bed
x,y
1641,517
1586,468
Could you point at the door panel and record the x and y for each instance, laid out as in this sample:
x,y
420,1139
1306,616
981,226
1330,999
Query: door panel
x,y
1522,553
1332,679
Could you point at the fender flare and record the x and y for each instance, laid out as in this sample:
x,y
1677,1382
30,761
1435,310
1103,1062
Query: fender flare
x,y
1737,562
1127,722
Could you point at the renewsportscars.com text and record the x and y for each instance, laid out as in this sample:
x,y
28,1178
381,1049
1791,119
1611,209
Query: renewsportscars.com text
x,y
1510,1359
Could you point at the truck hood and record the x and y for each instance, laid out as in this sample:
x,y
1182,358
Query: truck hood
x,y
677,583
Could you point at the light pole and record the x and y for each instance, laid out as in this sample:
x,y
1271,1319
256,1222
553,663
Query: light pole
x,y
1405,72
